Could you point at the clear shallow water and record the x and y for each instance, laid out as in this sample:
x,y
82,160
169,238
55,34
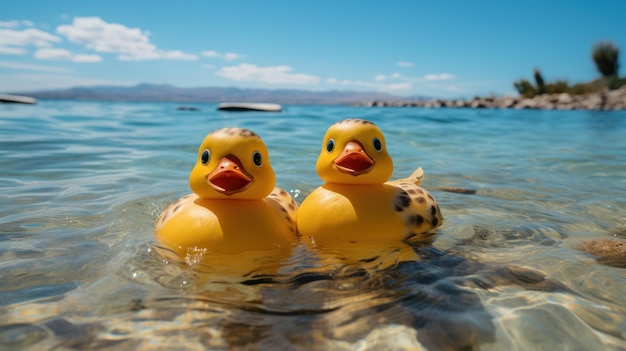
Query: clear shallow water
x,y
81,184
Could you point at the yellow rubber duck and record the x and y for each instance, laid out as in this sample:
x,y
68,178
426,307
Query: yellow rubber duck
x,y
235,208
357,202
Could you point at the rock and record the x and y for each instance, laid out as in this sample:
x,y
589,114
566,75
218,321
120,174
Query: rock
x,y
459,104
477,103
611,252
525,104
604,100
564,98
187,108
457,190
508,102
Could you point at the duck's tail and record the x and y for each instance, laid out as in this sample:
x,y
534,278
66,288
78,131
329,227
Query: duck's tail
x,y
415,178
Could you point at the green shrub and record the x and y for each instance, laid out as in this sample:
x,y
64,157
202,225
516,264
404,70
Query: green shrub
x,y
579,89
558,87
541,85
606,56
525,88
615,82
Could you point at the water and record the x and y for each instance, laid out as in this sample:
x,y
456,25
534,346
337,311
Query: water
x,y
82,183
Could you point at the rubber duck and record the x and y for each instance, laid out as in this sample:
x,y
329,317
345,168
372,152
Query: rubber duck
x,y
235,208
357,201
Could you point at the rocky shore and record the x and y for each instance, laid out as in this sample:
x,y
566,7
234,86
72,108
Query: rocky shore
x,y
604,100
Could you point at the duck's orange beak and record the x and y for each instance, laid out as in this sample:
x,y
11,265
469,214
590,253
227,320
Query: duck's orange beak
x,y
354,160
229,177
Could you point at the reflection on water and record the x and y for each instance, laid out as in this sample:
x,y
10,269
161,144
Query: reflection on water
x,y
435,299
331,306
531,260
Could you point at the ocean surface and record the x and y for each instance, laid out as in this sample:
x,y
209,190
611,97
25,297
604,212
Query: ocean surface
x,y
81,184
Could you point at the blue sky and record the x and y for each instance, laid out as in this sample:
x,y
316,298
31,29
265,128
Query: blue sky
x,y
434,48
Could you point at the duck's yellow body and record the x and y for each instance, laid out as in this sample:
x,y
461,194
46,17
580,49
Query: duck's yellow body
x,y
357,202
235,207
226,226
364,212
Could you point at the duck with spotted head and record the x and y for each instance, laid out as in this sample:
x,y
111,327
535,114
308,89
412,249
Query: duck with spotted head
x,y
235,207
357,201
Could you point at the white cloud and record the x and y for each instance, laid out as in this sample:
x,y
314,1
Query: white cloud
x,y
211,53
84,58
452,88
404,64
131,44
355,83
139,56
9,24
229,56
15,23
272,75
11,50
396,82
28,67
441,76
396,87
53,54
428,77
13,41
377,84
65,55
178,55
101,36
30,82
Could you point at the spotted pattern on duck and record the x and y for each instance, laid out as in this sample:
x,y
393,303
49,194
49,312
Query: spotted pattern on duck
x,y
172,209
353,120
418,209
286,204
279,198
236,131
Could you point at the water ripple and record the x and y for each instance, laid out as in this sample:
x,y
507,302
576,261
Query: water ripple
x,y
83,182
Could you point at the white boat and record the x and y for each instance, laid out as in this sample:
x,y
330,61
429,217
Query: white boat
x,y
249,106
17,99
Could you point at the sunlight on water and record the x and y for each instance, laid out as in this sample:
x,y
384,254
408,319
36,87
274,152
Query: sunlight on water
x,y
528,258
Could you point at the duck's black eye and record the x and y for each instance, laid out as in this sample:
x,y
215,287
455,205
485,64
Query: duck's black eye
x,y
206,156
257,158
378,145
330,146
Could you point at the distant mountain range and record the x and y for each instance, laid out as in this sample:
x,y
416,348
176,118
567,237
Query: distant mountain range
x,y
166,92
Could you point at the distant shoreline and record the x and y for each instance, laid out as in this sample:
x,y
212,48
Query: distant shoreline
x,y
170,93
603,100
606,100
